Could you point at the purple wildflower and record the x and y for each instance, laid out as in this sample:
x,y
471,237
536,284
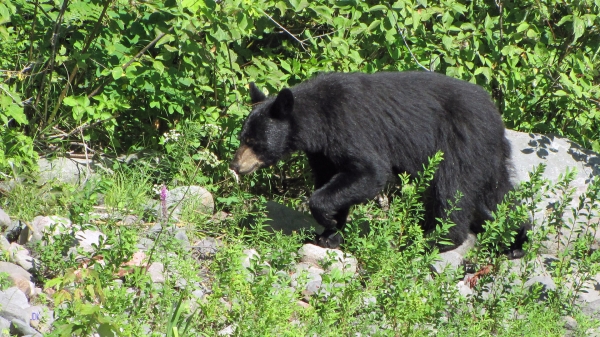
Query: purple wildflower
x,y
163,201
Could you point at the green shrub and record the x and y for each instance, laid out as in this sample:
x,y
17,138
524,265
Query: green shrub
x,y
101,72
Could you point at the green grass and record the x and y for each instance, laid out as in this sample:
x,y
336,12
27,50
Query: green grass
x,y
393,294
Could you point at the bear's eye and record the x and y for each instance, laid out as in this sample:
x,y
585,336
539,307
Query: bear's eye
x,y
249,141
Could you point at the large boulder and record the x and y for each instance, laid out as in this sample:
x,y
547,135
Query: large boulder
x,y
558,154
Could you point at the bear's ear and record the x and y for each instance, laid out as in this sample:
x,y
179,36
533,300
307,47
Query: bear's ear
x,y
283,105
256,95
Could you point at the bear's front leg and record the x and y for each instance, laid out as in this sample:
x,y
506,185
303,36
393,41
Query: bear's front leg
x,y
331,203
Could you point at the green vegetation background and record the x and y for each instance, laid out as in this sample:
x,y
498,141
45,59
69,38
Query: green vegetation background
x,y
113,76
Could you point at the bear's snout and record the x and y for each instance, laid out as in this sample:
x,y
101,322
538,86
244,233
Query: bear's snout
x,y
245,161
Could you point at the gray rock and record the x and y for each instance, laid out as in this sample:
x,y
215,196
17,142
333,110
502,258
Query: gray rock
x,y
41,225
529,150
22,328
463,289
154,230
156,271
68,170
36,313
14,295
4,324
571,324
145,244
249,255
180,197
309,276
591,309
19,277
12,305
327,258
87,238
590,290
207,247
227,331
129,220
198,294
4,244
20,256
182,237
449,259
5,221
469,243
546,282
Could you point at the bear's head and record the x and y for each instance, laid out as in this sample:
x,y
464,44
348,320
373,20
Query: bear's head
x,y
267,132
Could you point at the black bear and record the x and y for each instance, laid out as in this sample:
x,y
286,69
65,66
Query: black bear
x,y
359,131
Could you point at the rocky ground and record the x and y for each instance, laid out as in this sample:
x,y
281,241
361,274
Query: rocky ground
x,y
23,315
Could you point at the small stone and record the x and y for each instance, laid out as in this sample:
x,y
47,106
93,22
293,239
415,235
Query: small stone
x,y
546,282
156,271
22,328
309,267
20,256
19,277
4,324
182,237
4,244
199,194
154,230
198,293
14,295
207,247
129,220
303,304
88,238
12,304
450,259
227,331
311,275
570,323
591,309
5,221
249,254
145,244
329,258
35,313
41,225
464,289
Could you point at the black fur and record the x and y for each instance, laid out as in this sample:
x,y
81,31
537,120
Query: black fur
x,y
360,130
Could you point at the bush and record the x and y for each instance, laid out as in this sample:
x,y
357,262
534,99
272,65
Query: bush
x,y
94,73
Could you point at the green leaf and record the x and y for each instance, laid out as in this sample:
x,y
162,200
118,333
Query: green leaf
x,y
578,27
70,101
323,11
117,72
485,71
88,309
299,5
560,93
377,8
448,42
374,25
16,112
522,27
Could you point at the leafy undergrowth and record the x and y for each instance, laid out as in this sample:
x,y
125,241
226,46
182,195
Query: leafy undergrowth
x,y
394,292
